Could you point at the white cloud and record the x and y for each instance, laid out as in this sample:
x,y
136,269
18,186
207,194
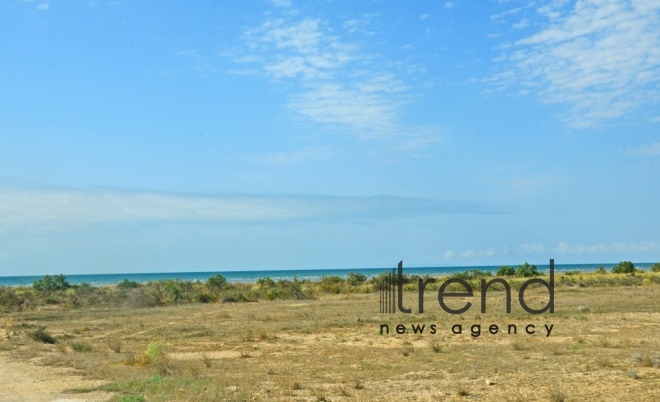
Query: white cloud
x,y
565,248
532,248
600,58
645,150
424,16
338,85
289,158
4,255
448,254
449,5
43,6
359,25
470,253
524,23
282,3
53,209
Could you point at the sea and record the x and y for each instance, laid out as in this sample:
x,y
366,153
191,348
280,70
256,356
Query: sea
x,y
300,274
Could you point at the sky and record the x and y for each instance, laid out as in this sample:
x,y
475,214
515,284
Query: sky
x,y
159,136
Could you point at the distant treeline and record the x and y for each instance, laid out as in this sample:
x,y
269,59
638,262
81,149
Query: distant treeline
x,y
57,292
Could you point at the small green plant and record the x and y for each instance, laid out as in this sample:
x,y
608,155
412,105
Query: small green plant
x,y
43,336
154,353
82,347
655,267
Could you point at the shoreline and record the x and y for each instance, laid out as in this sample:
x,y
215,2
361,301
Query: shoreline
x,y
251,277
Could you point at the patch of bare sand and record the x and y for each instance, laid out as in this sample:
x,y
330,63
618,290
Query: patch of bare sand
x,y
27,381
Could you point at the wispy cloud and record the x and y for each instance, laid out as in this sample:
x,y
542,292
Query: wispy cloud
x,y
566,248
600,58
293,157
533,248
281,3
337,84
645,150
52,209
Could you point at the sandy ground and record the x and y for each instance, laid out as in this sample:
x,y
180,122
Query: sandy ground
x,y
27,381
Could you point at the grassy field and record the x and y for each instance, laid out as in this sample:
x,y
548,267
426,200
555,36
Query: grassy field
x,y
604,345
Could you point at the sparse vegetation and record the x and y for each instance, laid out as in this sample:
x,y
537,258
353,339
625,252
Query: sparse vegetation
x,y
189,350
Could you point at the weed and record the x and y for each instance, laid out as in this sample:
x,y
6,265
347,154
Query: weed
x,y
556,394
81,347
206,359
435,347
43,336
133,398
463,391
115,345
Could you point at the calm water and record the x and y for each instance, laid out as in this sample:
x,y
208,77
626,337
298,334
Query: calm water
x,y
252,276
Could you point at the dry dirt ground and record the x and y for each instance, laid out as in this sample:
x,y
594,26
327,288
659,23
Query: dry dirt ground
x,y
604,346
22,380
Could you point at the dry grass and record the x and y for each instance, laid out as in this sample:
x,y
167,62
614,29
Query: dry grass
x,y
331,349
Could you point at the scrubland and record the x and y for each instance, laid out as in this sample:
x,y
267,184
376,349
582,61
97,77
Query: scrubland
x,y
322,342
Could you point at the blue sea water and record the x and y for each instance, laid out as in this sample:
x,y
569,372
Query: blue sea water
x,y
253,276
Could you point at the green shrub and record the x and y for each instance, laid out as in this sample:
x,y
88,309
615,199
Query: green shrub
x,y
624,267
275,293
173,290
57,282
601,270
126,284
356,278
216,281
526,270
202,297
266,282
655,267
82,347
506,271
470,274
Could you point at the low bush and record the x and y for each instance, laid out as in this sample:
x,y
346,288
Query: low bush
x,y
43,336
624,267
526,270
506,271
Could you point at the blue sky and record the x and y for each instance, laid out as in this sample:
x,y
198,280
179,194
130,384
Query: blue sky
x,y
228,135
